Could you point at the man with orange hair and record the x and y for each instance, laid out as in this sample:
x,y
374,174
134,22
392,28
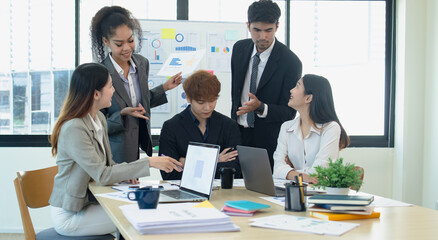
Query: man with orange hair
x,y
199,122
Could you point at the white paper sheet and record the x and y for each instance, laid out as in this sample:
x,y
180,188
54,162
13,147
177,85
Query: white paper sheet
x,y
185,62
303,224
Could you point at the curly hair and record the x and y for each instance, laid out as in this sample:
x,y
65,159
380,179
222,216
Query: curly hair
x,y
104,24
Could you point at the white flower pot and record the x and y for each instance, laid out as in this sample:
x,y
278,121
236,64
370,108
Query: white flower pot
x,y
337,191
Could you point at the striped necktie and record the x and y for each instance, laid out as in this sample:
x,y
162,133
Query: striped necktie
x,y
250,118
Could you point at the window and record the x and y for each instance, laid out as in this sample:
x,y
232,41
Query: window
x,y
230,11
352,49
350,42
38,46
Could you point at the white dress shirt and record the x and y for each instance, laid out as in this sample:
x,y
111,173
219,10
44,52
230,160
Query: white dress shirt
x,y
264,57
305,154
131,84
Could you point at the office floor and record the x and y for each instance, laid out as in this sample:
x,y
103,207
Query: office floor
x,y
11,236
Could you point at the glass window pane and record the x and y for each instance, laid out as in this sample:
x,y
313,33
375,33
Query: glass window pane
x,y
61,82
348,48
230,11
219,10
39,39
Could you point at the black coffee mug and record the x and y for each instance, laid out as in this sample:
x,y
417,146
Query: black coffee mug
x,y
146,197
227,177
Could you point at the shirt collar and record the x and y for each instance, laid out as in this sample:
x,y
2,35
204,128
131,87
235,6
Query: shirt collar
x,y
192,115
265,54
195,120
96,124
295,127
132,68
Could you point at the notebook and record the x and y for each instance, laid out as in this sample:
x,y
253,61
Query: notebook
x,y
197,178
246,205
256,171
340,199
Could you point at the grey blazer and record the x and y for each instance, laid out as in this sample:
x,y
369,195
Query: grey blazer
x,y
81,159
124,132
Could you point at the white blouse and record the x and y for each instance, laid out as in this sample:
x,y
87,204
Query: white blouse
x,y
305,154
99,131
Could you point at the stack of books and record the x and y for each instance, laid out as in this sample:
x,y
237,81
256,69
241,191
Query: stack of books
x,y
342,207
178,218
242,208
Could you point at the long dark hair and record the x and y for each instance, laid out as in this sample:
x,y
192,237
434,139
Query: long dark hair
x,y
86,79
105,22
322,107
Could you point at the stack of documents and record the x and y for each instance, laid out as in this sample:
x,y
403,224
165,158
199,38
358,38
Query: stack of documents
x,y
178,218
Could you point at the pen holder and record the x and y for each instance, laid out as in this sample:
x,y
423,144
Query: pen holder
x,y
295,197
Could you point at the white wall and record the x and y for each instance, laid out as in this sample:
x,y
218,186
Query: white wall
x,y
19,159
415,152
430,163
408,164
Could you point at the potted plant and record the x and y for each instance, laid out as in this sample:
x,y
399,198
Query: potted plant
x,y
337,178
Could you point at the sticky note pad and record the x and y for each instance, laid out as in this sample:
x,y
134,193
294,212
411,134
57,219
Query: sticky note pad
x,y
168,33
204,204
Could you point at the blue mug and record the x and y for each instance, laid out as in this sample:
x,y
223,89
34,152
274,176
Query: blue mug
x,y
146,197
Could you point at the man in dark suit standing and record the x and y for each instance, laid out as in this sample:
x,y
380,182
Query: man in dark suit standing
x,y
263,71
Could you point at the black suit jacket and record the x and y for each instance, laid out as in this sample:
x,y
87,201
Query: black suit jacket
x,y
178,131
281,73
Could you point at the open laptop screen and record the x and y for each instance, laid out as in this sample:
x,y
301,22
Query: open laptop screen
x,y
200,167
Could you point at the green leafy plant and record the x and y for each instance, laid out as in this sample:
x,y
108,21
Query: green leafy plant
x,y
338,175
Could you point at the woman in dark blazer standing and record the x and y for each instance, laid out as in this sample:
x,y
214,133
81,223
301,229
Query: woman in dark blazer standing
x,y
128,117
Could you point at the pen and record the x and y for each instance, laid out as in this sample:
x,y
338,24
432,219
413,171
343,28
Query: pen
x,y
180,168
300,179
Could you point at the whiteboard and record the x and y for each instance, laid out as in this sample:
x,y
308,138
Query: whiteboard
x,y
162,37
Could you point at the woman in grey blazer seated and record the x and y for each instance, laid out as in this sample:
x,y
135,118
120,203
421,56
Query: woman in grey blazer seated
x,y
80,143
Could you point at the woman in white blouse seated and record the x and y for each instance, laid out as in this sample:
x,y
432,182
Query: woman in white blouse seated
x,y
314,136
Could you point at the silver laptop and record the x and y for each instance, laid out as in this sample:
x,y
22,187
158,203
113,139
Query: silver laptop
x,y
256,171
197,178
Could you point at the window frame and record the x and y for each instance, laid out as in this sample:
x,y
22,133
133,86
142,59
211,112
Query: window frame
x,y
386,140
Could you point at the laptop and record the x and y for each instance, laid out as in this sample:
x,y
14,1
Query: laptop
x,y
256,171
198,175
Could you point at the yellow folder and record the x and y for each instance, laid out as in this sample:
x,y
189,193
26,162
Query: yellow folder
x,y
342,216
